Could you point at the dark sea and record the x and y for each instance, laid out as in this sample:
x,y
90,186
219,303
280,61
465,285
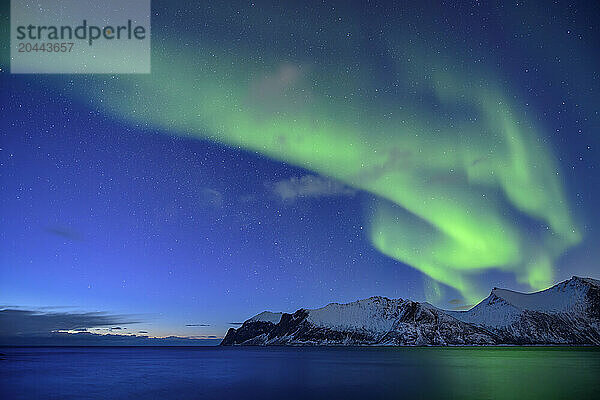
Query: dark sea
x,y
299,373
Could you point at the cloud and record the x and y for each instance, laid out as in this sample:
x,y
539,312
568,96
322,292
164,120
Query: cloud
x,y
464,307
197,325
22,322
457,304
309,186
394,159
236,323
21,327
63,232
280,90
210,198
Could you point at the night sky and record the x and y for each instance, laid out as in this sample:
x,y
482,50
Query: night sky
x,y
291,154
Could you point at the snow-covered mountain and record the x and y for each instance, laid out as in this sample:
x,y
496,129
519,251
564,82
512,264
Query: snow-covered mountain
x,y
567,313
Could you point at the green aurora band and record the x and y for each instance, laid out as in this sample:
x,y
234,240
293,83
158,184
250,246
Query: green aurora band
x,y
448,188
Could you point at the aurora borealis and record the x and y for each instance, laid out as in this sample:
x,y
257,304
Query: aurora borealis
x,y
459,126
450,183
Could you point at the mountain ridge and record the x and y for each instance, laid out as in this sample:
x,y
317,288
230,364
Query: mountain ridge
x,y
566,313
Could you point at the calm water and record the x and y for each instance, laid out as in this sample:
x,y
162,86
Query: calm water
x,y
295,373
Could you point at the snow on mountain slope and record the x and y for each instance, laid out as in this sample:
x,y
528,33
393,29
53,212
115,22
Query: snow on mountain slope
x,y
375,314
566,296
267,316
492,311
504,307
567,313
377,320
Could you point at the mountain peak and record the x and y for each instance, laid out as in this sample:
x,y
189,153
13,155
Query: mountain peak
x,y
566,313
267,316
566,296
589,281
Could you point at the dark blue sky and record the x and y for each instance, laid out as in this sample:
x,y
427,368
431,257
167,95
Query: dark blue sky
x,y
103,216
102,213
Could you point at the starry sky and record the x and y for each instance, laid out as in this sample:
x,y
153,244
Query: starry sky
x,y
285,155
